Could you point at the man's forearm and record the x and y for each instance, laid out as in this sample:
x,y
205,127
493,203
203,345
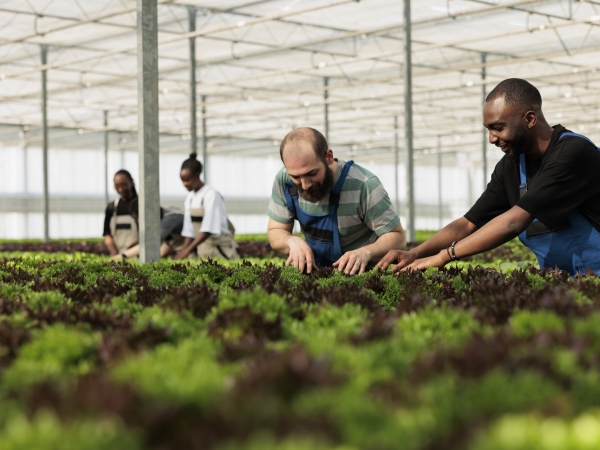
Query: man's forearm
x,y
454,231
278,239
495,233
394,240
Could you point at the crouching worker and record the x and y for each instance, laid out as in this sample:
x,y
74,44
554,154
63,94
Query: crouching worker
x,y
206,229
121,219
121,234
344,211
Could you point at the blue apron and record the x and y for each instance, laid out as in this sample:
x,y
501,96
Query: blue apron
x,y
574,248
321,231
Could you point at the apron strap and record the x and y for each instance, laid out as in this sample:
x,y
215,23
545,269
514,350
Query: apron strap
x,y
570,133
522,175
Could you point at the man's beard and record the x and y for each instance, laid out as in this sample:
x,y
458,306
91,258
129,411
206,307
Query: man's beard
x,y
318,190
518,143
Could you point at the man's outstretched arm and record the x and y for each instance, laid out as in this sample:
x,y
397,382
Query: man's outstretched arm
x,y
282,240
454,231
356,261
496,232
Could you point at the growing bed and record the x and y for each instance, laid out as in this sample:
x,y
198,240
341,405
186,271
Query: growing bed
x,y
214,355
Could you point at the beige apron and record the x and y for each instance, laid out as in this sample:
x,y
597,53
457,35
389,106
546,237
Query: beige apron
x,y
124,230
222,246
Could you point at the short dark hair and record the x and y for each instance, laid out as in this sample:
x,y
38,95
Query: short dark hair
x,y
517,92
192,164
316,139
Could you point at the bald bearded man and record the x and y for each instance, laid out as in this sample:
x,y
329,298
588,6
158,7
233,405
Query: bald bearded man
x,y
344,212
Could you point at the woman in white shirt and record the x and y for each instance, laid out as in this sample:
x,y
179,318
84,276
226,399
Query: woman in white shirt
x,y
205,225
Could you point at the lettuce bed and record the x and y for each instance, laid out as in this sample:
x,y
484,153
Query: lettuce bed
x,y
209,355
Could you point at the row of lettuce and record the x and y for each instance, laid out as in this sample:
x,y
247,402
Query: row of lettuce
x,y
99,355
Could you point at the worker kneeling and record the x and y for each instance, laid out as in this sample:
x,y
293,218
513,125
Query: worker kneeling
x,y
206,229
545,190
344,212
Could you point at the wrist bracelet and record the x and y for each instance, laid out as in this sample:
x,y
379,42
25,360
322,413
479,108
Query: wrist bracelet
x,y
124,255
449,255
453,256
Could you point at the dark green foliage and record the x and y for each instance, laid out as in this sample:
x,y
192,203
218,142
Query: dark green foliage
x,y
208,355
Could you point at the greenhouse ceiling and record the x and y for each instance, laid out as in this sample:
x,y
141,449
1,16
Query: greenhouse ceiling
x,y
264,67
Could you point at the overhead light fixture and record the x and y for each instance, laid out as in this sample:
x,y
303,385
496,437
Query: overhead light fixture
x,y
469,83
377,133
559,115
457,137
322,64
88,83
568,94
595,18
542,27
241,23
307,103
575,70
275,143
80,131
355,147
581,127
165,91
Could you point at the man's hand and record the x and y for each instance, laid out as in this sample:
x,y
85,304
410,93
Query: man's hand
x,y
398,257
439,261
300,254
353,262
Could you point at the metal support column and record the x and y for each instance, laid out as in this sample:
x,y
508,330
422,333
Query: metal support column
x,y
204,139
193,115
106,157
149,195
396,164
25,176
44,50
326,103
484,142
408,125
439,174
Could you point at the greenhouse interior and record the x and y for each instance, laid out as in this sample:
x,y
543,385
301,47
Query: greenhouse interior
x,y
299,225
262,69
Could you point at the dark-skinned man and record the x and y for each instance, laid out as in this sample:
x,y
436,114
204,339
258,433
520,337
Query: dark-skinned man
x,y
343,210
545,190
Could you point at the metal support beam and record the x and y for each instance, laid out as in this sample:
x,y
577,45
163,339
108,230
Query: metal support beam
x,y
106,157
439,174
326,104
396,164
484,142
408,125
193,116
44,51
204,139
149,196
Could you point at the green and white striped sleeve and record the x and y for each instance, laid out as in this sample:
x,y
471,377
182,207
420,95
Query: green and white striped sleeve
x,y
278,210
377,207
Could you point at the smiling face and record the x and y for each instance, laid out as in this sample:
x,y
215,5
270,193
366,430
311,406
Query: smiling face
x,y
312,176
509,126
124,186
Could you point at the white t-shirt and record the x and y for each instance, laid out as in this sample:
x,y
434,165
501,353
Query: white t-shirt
x,y
215,215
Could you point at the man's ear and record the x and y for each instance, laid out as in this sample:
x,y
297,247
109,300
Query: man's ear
x,y
530,119
329,157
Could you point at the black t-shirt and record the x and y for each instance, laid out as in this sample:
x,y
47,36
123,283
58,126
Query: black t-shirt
x,y
124,208
565,178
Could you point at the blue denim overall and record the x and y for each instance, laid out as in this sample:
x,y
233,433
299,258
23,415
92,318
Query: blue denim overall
x,y
321,231
574,248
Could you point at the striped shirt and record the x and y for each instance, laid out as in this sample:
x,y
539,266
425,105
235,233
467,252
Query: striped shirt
x,y
365,211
